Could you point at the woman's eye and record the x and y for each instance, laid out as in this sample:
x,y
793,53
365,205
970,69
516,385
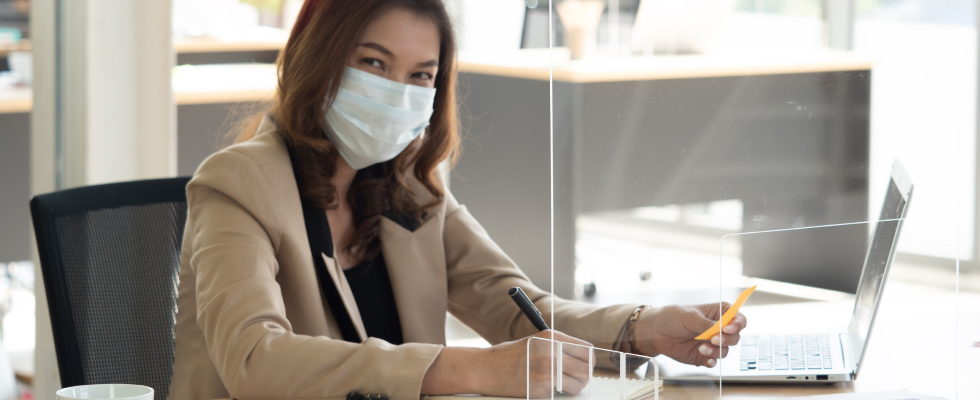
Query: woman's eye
x,y
422,75
374,62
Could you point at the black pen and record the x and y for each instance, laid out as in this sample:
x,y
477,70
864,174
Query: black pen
x,y
528,308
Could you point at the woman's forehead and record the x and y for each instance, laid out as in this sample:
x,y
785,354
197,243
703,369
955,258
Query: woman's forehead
x,y
404,33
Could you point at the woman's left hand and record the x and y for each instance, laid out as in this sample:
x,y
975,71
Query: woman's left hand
x,y
671,331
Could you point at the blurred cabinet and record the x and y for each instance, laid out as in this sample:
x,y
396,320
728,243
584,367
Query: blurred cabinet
x,y
15,184
787,134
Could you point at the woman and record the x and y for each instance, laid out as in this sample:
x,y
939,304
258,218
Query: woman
x,y
322,252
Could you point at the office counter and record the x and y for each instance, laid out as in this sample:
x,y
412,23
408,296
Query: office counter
x,y
746,61
523,64
223,83
266,40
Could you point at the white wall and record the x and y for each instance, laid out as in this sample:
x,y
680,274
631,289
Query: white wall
x,y
46,378
120,118
131,128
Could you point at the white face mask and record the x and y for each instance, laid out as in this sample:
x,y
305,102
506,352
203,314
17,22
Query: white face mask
x,y
373,119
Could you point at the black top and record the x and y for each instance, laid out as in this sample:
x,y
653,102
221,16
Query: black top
x,y
375,300
369,280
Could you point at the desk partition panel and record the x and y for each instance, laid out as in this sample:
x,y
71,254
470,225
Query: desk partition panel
x,y
683,175
558,369
907,327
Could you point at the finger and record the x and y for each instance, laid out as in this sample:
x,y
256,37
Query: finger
x,y
712,351
576,368
725,340
736,325
708,354
575,347
575,374
576,351
572,385
705,356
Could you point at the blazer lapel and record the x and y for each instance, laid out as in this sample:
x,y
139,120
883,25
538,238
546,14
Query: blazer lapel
x,y
340,281
417,269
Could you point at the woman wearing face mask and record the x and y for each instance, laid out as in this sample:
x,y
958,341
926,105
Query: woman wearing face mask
x,y
322,251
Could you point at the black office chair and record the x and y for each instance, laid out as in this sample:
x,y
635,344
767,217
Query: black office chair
x,y
110,256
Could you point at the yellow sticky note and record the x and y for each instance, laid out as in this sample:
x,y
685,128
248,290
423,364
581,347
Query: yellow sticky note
x,y
729,315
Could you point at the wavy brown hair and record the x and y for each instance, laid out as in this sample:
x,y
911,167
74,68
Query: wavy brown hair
x,y
310,70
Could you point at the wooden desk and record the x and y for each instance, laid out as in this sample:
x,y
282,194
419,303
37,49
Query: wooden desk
x,y
893,362
913,345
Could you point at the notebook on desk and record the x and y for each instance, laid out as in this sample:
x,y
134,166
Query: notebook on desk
x,y
602,388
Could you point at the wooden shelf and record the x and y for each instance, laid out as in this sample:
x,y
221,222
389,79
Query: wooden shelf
x,y
196,45
211,45
23,45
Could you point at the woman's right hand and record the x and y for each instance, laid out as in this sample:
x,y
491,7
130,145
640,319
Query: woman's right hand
x,y
506,366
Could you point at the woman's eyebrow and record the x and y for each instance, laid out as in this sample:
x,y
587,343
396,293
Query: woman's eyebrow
x,y
378,47
385,51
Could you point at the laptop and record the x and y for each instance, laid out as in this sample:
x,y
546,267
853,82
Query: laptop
x,y
817,357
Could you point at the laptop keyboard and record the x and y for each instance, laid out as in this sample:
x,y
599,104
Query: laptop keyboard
x,y
785,352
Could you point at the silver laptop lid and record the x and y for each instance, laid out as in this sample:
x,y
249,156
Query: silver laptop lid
x,y
881,250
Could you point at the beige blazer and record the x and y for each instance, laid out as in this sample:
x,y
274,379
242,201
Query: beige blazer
x,y
252,322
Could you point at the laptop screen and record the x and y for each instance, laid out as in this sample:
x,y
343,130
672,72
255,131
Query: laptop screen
x,y
882,247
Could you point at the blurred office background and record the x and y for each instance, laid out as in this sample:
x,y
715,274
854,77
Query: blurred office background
x,y
100,91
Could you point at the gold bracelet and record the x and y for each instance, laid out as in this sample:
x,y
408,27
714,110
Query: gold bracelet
x,y
631,329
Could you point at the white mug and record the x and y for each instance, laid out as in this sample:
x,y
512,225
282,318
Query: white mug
x,y
106,392
21,64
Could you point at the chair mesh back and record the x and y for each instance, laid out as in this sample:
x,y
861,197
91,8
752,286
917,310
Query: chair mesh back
x,y
111,269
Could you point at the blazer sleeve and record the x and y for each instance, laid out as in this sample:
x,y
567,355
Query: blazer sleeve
x,y
480,274
235,231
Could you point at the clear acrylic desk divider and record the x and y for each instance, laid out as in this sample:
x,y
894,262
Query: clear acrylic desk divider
x,y
566,370
909,326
